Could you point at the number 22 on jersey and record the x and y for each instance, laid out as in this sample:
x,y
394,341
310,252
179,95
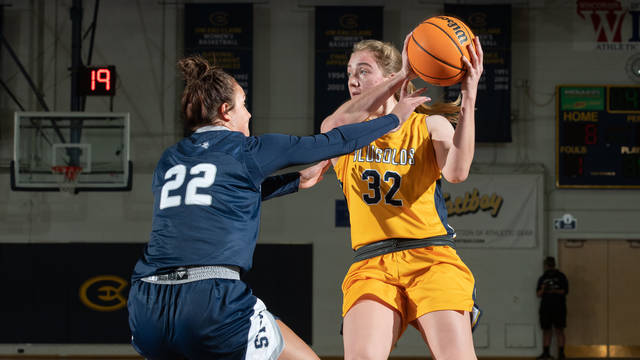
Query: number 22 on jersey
x,y
204,176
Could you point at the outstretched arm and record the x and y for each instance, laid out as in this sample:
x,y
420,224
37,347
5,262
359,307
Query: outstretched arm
x,y
360,107
279,185
455,149
271,152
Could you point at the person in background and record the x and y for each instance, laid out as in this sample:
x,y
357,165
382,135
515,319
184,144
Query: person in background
x,y
552,288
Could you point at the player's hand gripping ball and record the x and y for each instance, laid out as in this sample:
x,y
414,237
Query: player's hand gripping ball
x,y
436,47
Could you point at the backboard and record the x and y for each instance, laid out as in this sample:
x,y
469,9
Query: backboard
x,y
45,142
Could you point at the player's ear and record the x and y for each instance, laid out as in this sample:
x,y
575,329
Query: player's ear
x,y
223,112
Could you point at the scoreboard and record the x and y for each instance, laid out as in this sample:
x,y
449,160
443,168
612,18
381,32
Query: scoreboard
x,y
597,136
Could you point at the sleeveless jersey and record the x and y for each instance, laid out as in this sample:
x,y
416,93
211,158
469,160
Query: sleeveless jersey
x,y
392,187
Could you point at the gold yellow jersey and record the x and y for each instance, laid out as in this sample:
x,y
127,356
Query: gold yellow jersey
x,y
392,187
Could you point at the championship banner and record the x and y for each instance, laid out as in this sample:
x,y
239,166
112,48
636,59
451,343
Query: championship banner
x,y
222,34
337,29
492,23
495,211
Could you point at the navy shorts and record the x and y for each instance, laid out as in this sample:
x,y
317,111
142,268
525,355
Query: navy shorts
x,y
212,319
553,316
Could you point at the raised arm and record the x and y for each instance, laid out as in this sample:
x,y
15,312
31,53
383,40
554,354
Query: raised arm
x,y
455,149
361,106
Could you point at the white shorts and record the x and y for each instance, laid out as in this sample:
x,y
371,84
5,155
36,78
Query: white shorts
x,y
265,340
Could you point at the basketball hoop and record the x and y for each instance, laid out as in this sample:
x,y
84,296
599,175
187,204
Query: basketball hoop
x,y
67,177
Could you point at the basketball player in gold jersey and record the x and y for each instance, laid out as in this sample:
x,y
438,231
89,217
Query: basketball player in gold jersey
x,y
406,269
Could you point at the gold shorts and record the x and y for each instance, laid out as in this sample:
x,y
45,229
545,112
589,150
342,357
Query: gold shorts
x,y
414,282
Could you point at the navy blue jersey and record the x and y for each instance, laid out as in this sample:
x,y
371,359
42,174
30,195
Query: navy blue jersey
x,y
207,190
553,279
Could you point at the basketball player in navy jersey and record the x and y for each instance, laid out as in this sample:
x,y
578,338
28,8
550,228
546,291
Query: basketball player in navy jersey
x,y
186,298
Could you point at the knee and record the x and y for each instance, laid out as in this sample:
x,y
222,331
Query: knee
x,y
367,353
363,357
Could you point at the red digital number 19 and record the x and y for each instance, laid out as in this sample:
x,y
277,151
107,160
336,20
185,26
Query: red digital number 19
x,y
101,76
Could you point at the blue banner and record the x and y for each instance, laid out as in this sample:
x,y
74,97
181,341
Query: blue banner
x,y
492,23
337,29
223,34
77,293
66,293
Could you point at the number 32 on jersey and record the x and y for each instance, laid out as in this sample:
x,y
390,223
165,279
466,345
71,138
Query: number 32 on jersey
x,y
204,176
372,177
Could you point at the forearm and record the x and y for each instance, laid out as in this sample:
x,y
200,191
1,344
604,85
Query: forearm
x,y
462,150
279,185
360,107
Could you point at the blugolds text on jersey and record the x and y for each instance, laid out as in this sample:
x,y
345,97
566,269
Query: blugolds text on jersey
x,y
391,156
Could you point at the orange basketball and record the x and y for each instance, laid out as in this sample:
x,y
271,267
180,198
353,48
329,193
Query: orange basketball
x,y
436,47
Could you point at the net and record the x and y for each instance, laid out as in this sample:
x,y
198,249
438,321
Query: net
x,y
67,177
97,142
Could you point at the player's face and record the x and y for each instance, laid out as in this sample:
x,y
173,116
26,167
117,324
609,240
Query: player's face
x,y
239,114
363,72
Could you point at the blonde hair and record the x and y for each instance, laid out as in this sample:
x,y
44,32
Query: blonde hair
x,y
389,60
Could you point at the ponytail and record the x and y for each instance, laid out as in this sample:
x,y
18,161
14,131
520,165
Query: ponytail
x,y
207,88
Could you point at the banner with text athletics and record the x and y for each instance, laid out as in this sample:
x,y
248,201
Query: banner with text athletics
x,y
495,211
222,34
337,29
492,23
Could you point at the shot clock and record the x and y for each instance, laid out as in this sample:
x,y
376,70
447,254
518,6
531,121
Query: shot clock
x,y
97,80
598,136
